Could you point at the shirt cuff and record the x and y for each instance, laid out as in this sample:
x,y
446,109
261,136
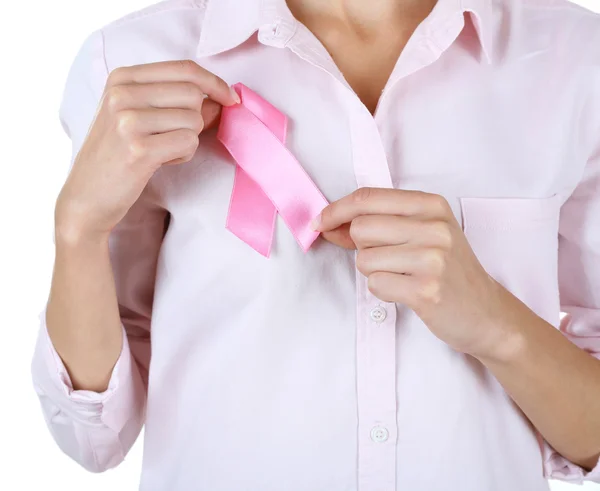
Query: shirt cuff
x,y
111,408
558,467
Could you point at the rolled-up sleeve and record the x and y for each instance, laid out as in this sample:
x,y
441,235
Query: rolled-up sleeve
x,y
579,280
95,429
98,429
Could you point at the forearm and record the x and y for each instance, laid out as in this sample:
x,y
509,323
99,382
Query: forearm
x,y
82,314
556,384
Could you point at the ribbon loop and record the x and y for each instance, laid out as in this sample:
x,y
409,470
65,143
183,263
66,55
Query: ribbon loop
x,y
268,178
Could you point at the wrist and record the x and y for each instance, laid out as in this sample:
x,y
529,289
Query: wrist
x,y
71,233
508,348
507,329
72,237
74,227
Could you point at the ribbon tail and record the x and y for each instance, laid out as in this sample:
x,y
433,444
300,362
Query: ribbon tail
x,y
251,214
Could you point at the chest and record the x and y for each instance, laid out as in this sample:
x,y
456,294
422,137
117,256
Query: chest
x,y
454,128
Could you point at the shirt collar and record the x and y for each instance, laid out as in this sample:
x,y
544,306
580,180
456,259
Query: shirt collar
x,y
228,23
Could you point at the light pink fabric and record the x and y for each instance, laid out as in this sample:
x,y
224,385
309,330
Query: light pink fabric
x,y
286,373
268,177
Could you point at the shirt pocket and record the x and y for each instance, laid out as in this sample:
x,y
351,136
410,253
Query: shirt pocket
x,y
516,241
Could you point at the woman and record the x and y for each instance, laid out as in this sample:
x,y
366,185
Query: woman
x,y
418,344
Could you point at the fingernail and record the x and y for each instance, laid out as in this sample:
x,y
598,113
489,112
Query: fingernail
x,y
316,223
235,95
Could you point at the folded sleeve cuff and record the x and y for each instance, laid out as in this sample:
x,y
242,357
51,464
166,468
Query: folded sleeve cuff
x,y
111,408
558,467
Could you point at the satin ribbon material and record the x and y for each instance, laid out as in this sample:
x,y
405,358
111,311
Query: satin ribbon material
x,y
268,178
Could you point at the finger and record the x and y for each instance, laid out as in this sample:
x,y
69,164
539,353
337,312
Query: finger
x,y
172,95
175,95
390,287
173,147
401,259
380,230
411,291
176,71
136,122
376,201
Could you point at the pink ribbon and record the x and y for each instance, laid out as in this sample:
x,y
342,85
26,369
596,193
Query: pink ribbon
x,y
268,179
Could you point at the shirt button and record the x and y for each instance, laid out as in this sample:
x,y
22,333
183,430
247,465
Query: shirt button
x,y
269,32
378,314
379,434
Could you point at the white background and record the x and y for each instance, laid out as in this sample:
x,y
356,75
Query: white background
x,y
38,40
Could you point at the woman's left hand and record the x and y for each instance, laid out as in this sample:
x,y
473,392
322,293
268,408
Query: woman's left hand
x,y
414,252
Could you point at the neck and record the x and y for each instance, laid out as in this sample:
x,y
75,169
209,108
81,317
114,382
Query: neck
x,y
363,15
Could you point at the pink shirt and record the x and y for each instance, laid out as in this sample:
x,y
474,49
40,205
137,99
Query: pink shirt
x,y
286,373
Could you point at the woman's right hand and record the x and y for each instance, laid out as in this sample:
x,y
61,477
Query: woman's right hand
x,y
150,115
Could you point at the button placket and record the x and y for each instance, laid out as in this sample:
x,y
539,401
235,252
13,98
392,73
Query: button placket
x,y
376,332
376,390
